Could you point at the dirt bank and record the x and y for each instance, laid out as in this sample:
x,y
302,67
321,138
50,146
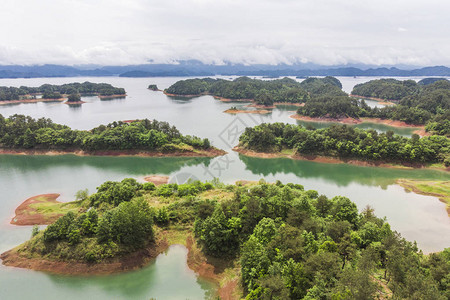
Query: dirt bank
x,y
237,111
394,123
333,160
126,263
105,97
27,215
187,96
379,100
414,186
213,270
6,102
198,153
157,179
326,120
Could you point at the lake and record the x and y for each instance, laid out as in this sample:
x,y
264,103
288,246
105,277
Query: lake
x,y
416,217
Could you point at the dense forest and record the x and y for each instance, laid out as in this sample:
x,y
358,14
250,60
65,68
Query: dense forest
x,y
347,142
23,132
288,243
389,89
418,103
264,92
49,91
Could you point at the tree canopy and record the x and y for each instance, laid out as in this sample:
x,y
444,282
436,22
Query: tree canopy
x,y
347,142
23,132
50,91
265,92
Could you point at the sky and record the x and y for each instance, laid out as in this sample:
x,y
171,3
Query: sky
x,y
325,32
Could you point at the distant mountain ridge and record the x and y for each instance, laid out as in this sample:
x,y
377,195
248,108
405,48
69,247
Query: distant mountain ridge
x,y
193,68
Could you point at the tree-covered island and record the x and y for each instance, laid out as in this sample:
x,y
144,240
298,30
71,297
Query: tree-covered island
x,y
265,241
22,134
58,92
153,87
263,92
345,143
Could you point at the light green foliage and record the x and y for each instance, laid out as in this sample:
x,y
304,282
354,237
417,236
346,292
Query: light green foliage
x,y
34,231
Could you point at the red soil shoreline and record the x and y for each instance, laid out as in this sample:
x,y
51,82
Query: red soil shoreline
x,y
333,160
74,102
407,186
130,262
394,123
112,96
379,100
237,111
157,179
23,216
196,261
201,153
6,102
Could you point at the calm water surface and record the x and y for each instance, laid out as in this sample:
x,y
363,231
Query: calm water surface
x,y
416,217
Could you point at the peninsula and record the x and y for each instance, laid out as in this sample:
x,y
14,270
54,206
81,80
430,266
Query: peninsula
x,y
342,143
20,134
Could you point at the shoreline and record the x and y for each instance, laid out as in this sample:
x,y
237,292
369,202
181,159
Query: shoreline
x,y
420,129
335,160
379,100
157,179
26,215
104,97
74,102
195,260
6,102
131,261
202,153
237,111
408,184
252,101
187,96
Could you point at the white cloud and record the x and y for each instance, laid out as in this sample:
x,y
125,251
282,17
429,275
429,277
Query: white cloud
x,y
253,31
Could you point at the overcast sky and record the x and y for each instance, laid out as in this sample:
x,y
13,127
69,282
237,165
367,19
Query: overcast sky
x,y
327,32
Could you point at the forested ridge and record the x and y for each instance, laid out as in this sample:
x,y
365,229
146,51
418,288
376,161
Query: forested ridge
x,y
23,132
50,91
287,242
344,141
264,92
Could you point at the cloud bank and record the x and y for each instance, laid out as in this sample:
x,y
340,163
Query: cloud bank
x,y
326,32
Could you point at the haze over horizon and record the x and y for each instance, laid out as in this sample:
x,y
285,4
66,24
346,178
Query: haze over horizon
x,y
325,32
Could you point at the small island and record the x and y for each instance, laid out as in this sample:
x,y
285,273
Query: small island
x,y
74,99
342,143
49,92
250,238
153,87
20,134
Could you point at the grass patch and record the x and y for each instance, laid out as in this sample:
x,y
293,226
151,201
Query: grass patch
x,y
52,208
436,188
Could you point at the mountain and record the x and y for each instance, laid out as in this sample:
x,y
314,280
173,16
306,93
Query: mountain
x,y
196,68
